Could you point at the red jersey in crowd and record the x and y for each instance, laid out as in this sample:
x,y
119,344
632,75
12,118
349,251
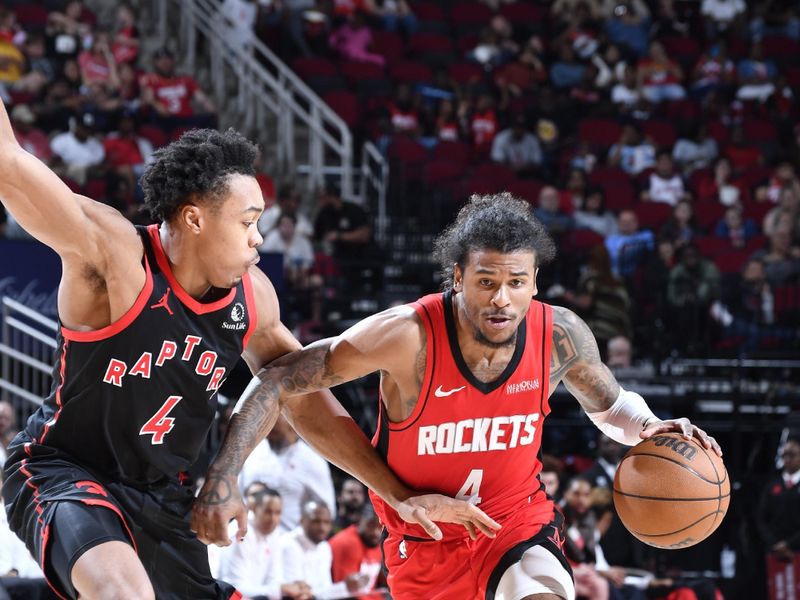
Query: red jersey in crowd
x,y
173,93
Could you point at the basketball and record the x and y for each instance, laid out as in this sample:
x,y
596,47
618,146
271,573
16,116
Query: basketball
x,y
671,492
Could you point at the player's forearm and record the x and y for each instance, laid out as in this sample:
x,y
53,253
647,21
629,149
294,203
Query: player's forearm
x,y
322,422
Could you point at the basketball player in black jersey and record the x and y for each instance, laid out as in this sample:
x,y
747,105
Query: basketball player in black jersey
x,y
152,321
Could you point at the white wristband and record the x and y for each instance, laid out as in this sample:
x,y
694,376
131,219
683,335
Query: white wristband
x,y
626,418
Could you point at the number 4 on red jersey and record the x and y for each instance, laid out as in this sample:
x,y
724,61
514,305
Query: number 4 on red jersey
x,y
160,424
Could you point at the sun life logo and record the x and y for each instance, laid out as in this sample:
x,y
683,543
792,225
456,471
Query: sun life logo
x,y
237,316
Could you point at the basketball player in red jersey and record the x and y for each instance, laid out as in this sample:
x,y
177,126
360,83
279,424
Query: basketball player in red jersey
x,y
465,380
152,321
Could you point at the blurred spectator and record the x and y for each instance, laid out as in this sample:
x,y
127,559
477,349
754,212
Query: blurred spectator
x,y
776,18
172,97
720,186
741,153
781,258
784,177
357,555
30,137
10,31
551,476
240,19
565,10
787,213
695,149
79,150
628,246
483,124
342,226
756,76
403,111
254,563
125,46
567,71
594,215
626,94
575,188
74,19
307,555
126,152
394,15
287,202
448,126
681,228
298,258
583,159
350,503
601,299
551,215
779,509
12,62
665,184
735,228
713,73
517,148
628,24
353,39
8,427
609,454
747,311
631,153
694,285
287,464
97,64
659,77
491,51
554,123
721,16
620,353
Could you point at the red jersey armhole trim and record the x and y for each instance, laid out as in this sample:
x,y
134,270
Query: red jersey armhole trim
x,y
430,359
548,348
121,323
161,258
252,313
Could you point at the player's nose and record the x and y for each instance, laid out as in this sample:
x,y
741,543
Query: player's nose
x,y
501,297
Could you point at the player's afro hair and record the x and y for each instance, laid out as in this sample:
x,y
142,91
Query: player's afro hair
x,y
496,222
195,167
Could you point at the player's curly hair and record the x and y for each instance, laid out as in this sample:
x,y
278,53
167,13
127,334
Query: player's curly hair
x,y
497,222
196,166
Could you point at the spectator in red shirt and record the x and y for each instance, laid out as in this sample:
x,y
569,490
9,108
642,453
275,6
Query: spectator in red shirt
x,y
172,96
98,64
31,138
483,124
126,37
403,111
740,152
357,554
126,152
659,77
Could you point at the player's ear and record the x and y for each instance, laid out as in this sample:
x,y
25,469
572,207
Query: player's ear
x,y
458,277
191,217
535,276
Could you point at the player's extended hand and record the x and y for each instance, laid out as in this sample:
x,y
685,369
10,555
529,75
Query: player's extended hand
x,y
216,505
426,509
685,427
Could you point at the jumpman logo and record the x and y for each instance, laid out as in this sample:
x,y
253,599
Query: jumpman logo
x,y
163,302
556,538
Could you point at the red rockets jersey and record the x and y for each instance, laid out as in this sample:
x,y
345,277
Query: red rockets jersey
x,y
135,400
467,438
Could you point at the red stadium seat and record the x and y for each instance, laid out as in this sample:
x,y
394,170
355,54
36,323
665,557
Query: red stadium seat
x,y
439,172
425,43
583,239
411,72
759,130
465,72
619,196
731,262
408,157
499,174
708,214
684,49
756,243
601,133
154,135
526,189
652,215
606,175
31,16
661,132
780,49
307,67
711,246
522,13
466,42
389,45
718,131
452,150
346,105
355,71
480,185
428,11
470,13
793,77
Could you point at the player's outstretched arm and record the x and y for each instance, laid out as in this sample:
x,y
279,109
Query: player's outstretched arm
x,y
620,414
296,383
40,202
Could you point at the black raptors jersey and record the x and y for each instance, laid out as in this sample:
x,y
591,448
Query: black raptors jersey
x,y
134,401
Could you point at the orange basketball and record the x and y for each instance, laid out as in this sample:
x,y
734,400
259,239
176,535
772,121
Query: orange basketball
x,y
671,492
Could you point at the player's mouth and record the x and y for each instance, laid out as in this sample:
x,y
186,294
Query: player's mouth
x,y
499,322
255,260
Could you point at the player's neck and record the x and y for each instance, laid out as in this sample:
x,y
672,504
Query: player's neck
x,y
183,262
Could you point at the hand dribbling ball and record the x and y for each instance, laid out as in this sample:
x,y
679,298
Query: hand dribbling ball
x,y
671,492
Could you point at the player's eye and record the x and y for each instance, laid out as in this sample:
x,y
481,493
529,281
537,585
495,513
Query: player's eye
x,y
486,282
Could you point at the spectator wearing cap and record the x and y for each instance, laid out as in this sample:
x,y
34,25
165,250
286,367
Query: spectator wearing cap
x,y
173,97
30,137
78,149
517,148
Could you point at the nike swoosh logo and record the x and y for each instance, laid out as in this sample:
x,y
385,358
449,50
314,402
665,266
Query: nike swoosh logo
x,y
440,393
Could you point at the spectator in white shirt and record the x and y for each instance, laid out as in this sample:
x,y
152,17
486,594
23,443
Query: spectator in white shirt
x,y
78,149
695,150
631,153
254,564
721,15
287,464
298,254
626,94
288,201
665,184
517,148
307,555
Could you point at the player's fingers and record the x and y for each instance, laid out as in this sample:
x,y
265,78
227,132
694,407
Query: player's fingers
x,y
717,448
484,522
241,519
705,439
421,517
470,529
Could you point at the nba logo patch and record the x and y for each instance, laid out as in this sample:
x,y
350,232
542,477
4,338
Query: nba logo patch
x,y
402,550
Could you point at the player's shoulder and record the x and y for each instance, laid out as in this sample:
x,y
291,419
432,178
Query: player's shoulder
x,y
110,235
565,318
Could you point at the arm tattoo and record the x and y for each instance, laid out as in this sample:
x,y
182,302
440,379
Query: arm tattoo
x,y
576,361
219,491
419,372
297,373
